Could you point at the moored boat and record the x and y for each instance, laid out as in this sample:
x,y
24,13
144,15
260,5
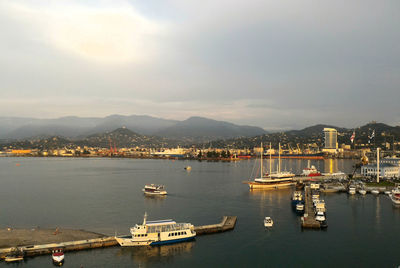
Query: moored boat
x,y
157,233
352,190
297,197
154,189
274,180
15,255
395,196
375,191
13,258
311,172
300,208
58,256
362,191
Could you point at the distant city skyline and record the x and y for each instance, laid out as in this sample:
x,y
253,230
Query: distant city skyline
x,y
276,65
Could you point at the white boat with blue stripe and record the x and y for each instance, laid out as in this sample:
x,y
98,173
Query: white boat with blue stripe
x,y
157,233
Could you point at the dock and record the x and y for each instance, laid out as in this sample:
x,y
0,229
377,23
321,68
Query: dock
x,y
42,241
308,220
227,223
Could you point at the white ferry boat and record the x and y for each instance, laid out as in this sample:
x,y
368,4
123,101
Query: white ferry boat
x,y
157,233
153,189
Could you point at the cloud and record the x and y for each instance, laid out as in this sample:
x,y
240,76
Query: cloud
x,y
110,32
260,62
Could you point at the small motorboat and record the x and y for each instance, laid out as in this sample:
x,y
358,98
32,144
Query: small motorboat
x,y
268,222
362,192
320,216
352,190
154,189
58,256
13,258
15,255
300,208
388,192
375,192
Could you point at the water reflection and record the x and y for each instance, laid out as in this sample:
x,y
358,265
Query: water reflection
x,y
154,199
271,196
155,254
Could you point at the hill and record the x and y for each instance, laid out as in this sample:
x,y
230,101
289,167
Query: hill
x,y
199,129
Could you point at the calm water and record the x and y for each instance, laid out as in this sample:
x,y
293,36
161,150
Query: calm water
x,y
104,195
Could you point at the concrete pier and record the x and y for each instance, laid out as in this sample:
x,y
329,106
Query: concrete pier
x,y
227,223
309,221
43,241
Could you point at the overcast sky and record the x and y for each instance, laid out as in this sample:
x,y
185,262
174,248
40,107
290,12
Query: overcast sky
x,y
274,64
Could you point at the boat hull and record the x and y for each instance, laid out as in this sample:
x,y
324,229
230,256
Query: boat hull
x,y
129,242
155,193
259,185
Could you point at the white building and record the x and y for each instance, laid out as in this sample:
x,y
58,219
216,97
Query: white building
x,y
386,170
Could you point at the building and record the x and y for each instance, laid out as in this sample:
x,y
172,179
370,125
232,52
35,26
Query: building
x,y
331,145
386,170
330,138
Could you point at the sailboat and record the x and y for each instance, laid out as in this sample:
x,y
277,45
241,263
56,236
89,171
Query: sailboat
x,y
274,180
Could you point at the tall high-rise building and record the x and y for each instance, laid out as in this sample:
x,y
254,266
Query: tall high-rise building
x,y
330,138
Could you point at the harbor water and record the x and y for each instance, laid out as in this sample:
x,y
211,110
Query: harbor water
x,y
105,195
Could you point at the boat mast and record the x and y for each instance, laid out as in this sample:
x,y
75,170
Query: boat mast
x,y
270,162
261,160
145,218
377,165
279,160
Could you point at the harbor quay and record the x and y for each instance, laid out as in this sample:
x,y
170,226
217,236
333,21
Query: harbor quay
x,y
38,241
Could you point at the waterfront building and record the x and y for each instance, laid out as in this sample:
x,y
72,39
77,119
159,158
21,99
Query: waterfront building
x,y
386,170
330,138
391,160
331,145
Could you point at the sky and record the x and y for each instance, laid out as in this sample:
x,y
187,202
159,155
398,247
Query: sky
x,y
284,64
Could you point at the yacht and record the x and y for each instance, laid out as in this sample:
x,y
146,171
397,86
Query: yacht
x,y
268,222
297,198
362,191
154,189
352,190
395,196
375,192
157,233
300,208
320,216
273,180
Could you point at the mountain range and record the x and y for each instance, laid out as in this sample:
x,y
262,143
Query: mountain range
x,y
193,129
201,132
